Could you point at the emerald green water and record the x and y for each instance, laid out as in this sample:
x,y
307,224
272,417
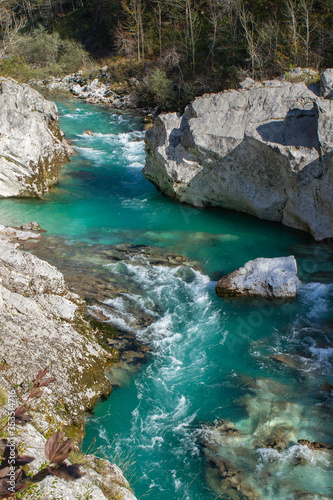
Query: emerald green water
x,y
201,346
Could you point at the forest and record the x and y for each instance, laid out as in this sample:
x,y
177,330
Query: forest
x,y
200,45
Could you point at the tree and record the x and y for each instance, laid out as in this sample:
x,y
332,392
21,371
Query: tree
x,y
134,24
306,8
247,22
292,13
10,25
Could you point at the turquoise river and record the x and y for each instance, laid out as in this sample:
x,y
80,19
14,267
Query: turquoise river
x,y
259,365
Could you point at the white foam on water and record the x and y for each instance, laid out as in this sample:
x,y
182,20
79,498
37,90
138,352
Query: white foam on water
x,y
146,304
95,155
108,138
79,114
313,457
118,303
133,148
323,355
317,297
184,312
119,319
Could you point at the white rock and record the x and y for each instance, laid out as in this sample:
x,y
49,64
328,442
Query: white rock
x,y
271,278
39,316
31,147
76,89
266,151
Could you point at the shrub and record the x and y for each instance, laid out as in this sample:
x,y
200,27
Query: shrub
x,y
71,56
40,48
160,86
42,54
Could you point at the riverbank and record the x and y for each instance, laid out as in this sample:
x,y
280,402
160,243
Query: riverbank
x,y
43,326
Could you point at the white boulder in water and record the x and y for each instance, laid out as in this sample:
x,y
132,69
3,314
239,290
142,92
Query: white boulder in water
x,y
266,149
32,149
271,278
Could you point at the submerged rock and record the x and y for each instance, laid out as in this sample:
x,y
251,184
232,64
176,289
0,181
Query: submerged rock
x,y
314,445
271,278
248,459
293,361
327,387
265,149
33,226
225,478
102,275
32,149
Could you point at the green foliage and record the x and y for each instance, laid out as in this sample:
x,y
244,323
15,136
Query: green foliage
x,y
41,54
88,495
160,86
56,449
176,48
71,56
38,48
16,68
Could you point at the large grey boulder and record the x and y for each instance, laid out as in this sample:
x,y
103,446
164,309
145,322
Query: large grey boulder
x,y
266,149
326,84
32,149
270,278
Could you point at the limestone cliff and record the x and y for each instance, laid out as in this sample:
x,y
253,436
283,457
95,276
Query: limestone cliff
x,y
42,325
32,149
266,149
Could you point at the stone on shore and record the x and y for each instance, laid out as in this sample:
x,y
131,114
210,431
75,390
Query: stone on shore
x,y
42,326
270,278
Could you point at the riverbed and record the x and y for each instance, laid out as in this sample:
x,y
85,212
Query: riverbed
x,y
259,366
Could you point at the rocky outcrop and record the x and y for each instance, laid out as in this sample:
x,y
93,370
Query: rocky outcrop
x,y
246,459
266,149
42,325
32,149
101,481
270,278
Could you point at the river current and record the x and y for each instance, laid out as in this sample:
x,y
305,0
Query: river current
x,y
259,367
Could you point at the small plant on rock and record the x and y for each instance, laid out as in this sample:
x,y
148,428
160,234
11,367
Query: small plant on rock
x,y
13,477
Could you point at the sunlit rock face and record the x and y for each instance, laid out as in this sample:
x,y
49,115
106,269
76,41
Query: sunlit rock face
x,y
269,278
32,149
265,149
42,326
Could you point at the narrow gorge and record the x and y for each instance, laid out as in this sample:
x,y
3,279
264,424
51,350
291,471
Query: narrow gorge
x,y
194,396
